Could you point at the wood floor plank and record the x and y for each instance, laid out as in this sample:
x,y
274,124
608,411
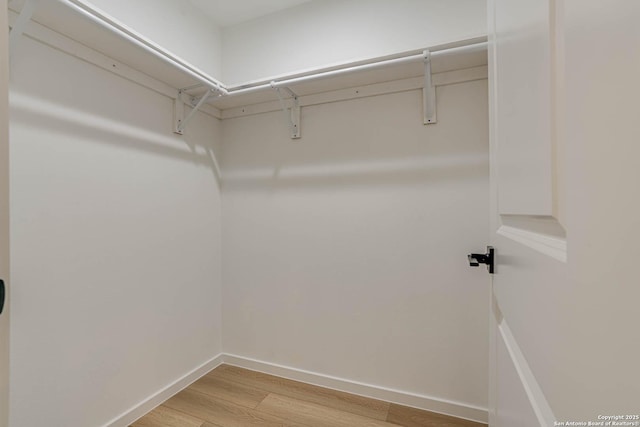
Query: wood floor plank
x,y
230,391
358,405
236,397
163,416
314,415
411,417
222,413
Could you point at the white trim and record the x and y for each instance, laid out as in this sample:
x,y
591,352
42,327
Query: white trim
x,y
326,97
554,247
395,86
536,397
428,403
159,397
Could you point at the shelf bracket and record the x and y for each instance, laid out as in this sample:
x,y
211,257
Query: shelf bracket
x,y
21,22
178,113
293,116
429,92
180,122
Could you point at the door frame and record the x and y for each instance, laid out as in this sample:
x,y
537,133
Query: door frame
x,y
4,212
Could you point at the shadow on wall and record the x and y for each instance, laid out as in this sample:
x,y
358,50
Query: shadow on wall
x,y
376,142
92,128
393,172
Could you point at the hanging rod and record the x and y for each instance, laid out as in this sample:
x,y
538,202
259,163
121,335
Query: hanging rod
x,y
214,86
113,26
106,22
476,47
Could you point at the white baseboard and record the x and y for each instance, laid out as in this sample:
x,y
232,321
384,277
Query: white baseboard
x,y
428,403
442,406
157,398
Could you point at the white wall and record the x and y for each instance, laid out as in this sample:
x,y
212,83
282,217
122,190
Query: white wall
x,y
345,253
176,25
322,33
116,242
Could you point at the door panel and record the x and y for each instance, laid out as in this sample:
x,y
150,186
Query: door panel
x,y
523,66
530,242
514,402
567,286
4,214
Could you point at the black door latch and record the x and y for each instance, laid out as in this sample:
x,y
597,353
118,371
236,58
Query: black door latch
x,y
476,259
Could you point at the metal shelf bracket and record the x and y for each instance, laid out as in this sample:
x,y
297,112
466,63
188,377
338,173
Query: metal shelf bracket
x,y
178,113
21,22
180,122
293,115
429,92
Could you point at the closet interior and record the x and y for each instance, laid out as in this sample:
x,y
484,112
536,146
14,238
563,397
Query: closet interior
x,y
294,194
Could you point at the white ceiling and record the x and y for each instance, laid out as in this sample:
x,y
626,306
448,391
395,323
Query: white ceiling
x,y
230,12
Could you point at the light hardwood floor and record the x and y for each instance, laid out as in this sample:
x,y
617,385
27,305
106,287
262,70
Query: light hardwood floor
x,y
234,397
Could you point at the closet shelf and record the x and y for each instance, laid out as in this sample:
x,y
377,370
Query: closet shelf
x,y
82,23
458,55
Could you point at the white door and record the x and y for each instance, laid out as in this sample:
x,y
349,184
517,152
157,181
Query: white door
x,y
565,124
4,214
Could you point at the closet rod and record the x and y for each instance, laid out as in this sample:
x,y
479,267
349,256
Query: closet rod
x,y
472,48
113,26
107,23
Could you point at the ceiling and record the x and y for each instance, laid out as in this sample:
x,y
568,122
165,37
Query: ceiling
x,y
230,12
